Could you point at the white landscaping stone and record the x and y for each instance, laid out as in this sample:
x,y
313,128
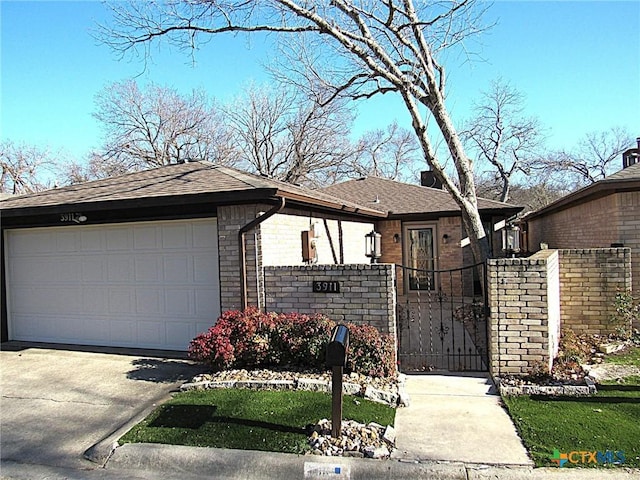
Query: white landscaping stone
x,y
313,385
389,435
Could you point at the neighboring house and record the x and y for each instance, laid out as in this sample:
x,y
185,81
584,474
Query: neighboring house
x,y
423,226
604,214
150,259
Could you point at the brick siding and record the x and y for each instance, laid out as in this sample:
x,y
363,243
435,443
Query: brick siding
x,y
531,299
367,293
524,318
589,281
598,223
230,220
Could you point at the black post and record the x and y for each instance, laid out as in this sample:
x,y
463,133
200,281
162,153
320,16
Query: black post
x,y
336,402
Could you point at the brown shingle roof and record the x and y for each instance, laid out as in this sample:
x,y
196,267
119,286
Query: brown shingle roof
x,y
632,172
406,199
183,180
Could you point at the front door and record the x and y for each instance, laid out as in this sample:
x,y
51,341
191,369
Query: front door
x,y
421,257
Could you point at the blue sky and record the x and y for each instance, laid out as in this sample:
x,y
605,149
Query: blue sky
x,y
578,63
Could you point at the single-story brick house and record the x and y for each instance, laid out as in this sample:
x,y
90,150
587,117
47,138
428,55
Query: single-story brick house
x,y
602,215
151,258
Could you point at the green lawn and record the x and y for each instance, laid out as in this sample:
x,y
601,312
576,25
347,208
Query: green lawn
x,y
608,421
245,419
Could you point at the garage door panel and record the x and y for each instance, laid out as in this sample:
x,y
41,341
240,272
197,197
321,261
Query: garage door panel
x,y
120,300
179,330
119,239
120,269
148,268
206,302
93,269
32,269
91,240
178,269
145,238
204,266
179,302
32,243
176,236
204,235
95,299
67,271
152,284
96,329
66,242
149,300
123,332
151,333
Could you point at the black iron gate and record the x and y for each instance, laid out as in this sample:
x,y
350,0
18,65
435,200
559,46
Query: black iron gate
x,y
442,319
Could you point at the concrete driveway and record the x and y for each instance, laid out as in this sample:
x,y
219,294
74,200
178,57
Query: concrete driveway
x,y
57,402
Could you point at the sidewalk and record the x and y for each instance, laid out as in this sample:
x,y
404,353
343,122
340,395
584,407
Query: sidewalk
x,y
458,419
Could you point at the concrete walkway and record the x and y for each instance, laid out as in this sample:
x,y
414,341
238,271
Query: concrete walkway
x,y
458,419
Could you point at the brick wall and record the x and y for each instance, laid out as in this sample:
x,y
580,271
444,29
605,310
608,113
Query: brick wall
x,y
629,234
589,280
524,313
367,293
230,220
598,223
531,299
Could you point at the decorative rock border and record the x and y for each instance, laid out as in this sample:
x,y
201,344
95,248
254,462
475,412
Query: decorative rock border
x,y
549,390
397,398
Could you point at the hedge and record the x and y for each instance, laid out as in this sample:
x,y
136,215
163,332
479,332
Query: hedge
x,y
255,339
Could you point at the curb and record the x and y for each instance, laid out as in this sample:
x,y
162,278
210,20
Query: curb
x,y
244,464
101,451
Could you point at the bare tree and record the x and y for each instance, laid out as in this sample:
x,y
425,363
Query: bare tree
x,y
388,153
501,136
597,155
95,167
25,168
283,135
157,126
388,46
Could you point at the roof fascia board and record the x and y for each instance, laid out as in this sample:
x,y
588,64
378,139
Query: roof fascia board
x,y
335,206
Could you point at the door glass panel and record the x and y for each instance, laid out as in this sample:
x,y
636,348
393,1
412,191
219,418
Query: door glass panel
x,y
421,258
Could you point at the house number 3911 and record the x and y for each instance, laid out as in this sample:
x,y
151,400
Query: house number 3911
x,y
332,286
73,217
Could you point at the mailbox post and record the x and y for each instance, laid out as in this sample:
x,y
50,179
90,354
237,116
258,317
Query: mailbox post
x,y
336,358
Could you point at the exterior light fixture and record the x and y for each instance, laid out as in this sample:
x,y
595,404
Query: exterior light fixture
x,y
373,248
511,239
445,238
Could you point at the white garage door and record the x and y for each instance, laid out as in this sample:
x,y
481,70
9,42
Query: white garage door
x,y
147,285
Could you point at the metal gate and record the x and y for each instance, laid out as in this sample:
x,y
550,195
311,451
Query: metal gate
x,y
442,319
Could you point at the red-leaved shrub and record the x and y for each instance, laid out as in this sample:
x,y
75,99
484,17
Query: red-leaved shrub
x,y
253,339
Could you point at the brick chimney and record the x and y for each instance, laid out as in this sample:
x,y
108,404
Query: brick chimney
x,y
631,156
428,179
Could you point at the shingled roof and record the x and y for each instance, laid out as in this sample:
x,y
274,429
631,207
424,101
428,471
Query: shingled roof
x,y
403,199
188,182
